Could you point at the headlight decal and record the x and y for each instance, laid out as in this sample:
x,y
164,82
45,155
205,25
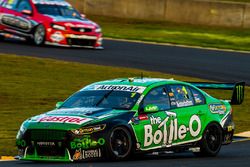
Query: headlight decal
x,y
98,29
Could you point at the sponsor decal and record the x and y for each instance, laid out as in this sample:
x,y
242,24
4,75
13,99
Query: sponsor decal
x,y
142,117
197,100
167,135
21,143
81,36
140,99
46,143
87,154
89,130
154,120
171,94
240,95
82,30
77,155
217,108
91,153
173,103
57,37
86,143
230,128
15,22
79,25
172,99
64,119
138,89
151,108
184,103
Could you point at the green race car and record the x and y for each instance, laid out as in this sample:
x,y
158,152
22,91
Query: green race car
x,y
118,118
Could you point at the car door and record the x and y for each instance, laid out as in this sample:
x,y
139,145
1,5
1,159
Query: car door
x,y
14,18
8,14
151,127
189,106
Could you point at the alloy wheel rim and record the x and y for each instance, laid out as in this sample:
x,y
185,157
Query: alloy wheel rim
x,y
213,139
120,145
39,35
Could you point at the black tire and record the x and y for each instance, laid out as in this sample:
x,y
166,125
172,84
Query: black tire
x,y
39,35
211,142
1,37
119,144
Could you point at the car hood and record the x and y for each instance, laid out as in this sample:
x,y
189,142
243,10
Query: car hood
x,y
67,119
73,22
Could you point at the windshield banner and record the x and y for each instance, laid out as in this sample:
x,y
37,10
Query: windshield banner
x,y
128,88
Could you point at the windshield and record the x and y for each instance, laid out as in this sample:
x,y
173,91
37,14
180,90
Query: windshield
x,y
58,10
102,98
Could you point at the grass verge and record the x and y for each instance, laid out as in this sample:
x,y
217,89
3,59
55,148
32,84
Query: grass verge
x,y
166,32
30,86
234,0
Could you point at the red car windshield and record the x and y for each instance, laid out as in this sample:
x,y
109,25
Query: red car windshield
x,y
57,10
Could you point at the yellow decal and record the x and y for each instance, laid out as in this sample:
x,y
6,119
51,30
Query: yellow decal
x,y
133,94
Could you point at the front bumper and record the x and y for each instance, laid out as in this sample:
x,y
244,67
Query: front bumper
x,y
61,146
71,39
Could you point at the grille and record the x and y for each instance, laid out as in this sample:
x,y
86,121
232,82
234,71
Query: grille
x,y
51,151
47,135
81,29
81,42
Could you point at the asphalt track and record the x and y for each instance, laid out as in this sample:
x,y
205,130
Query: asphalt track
x,y
236,154
202,63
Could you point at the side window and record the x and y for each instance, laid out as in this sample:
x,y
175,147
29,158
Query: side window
x,y
159,97
23,5
198,96
180,96
1,2
9,4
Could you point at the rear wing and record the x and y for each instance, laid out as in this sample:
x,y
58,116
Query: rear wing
x,y
238,89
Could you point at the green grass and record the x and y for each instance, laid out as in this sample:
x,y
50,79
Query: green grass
x,y
165,32
30,86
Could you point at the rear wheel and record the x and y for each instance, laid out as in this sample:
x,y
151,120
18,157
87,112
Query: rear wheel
x,y
120,144
39,35
211,142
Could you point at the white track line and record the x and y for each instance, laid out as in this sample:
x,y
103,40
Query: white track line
x,y
178,45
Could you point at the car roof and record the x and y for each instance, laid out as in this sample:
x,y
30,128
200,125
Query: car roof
x,y
145,82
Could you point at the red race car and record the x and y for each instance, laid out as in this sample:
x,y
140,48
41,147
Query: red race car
x,y
53,22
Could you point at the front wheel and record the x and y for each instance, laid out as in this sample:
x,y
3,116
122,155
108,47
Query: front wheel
x,y
120,144
1,37
39,35
211,142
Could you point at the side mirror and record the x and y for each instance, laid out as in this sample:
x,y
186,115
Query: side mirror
x,y
151,108
26,12
83,16
59,104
